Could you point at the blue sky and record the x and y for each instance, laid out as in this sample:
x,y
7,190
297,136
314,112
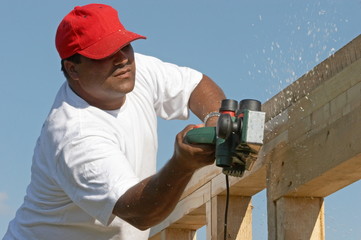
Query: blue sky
x,y
252,49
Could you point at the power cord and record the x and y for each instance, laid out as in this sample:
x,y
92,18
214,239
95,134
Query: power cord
x,y
226,209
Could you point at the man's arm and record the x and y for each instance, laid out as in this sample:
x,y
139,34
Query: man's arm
x,y
206,98
153,199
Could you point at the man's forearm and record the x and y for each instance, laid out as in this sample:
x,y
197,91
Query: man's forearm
x,y
153,199
150,201
206,98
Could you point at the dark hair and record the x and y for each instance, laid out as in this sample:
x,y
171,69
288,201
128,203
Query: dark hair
x,y
74,58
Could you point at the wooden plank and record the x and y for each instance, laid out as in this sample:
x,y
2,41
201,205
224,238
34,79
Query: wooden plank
x,y
297,218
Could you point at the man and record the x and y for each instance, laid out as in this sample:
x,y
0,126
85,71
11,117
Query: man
x,y
93,172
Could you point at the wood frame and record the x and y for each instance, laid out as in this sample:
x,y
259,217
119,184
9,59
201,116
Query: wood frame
x,y
312,149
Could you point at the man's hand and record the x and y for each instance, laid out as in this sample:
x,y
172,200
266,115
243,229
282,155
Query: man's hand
x,y
192,156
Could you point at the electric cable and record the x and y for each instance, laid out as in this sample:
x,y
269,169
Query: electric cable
x,y
226,208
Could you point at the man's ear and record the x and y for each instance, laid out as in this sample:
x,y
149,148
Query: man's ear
x,y
70,68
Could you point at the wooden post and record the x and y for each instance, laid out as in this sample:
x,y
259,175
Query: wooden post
x,y
178,234
297,218
239,218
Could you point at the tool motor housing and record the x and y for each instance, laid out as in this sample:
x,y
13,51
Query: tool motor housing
x,y
238,135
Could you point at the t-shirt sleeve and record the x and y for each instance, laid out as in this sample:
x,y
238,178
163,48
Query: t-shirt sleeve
x,y
94,173
171,85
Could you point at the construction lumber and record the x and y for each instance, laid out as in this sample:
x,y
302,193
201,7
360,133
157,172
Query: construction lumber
x,y
318,130
311,149
298,218
239,219
316,127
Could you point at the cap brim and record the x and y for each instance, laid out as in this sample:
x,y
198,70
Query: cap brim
x,y
110,44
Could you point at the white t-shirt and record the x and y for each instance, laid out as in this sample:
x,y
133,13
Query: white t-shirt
x,y
86,158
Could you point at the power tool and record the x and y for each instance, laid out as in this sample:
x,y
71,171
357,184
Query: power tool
x,y
238,135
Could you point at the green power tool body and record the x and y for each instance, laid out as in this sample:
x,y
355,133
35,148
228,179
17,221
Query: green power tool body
x,y
238,136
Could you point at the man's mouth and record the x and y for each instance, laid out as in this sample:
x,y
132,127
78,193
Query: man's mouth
x,y
121,71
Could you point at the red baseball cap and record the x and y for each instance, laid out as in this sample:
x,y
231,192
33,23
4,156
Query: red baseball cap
x,y
94,31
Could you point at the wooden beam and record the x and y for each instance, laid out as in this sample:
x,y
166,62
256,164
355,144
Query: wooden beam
x,y
321,139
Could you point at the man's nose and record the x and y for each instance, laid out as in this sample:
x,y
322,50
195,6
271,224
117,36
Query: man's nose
x,y
120,58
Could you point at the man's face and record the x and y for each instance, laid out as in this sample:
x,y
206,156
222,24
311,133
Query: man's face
x,y
105,81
